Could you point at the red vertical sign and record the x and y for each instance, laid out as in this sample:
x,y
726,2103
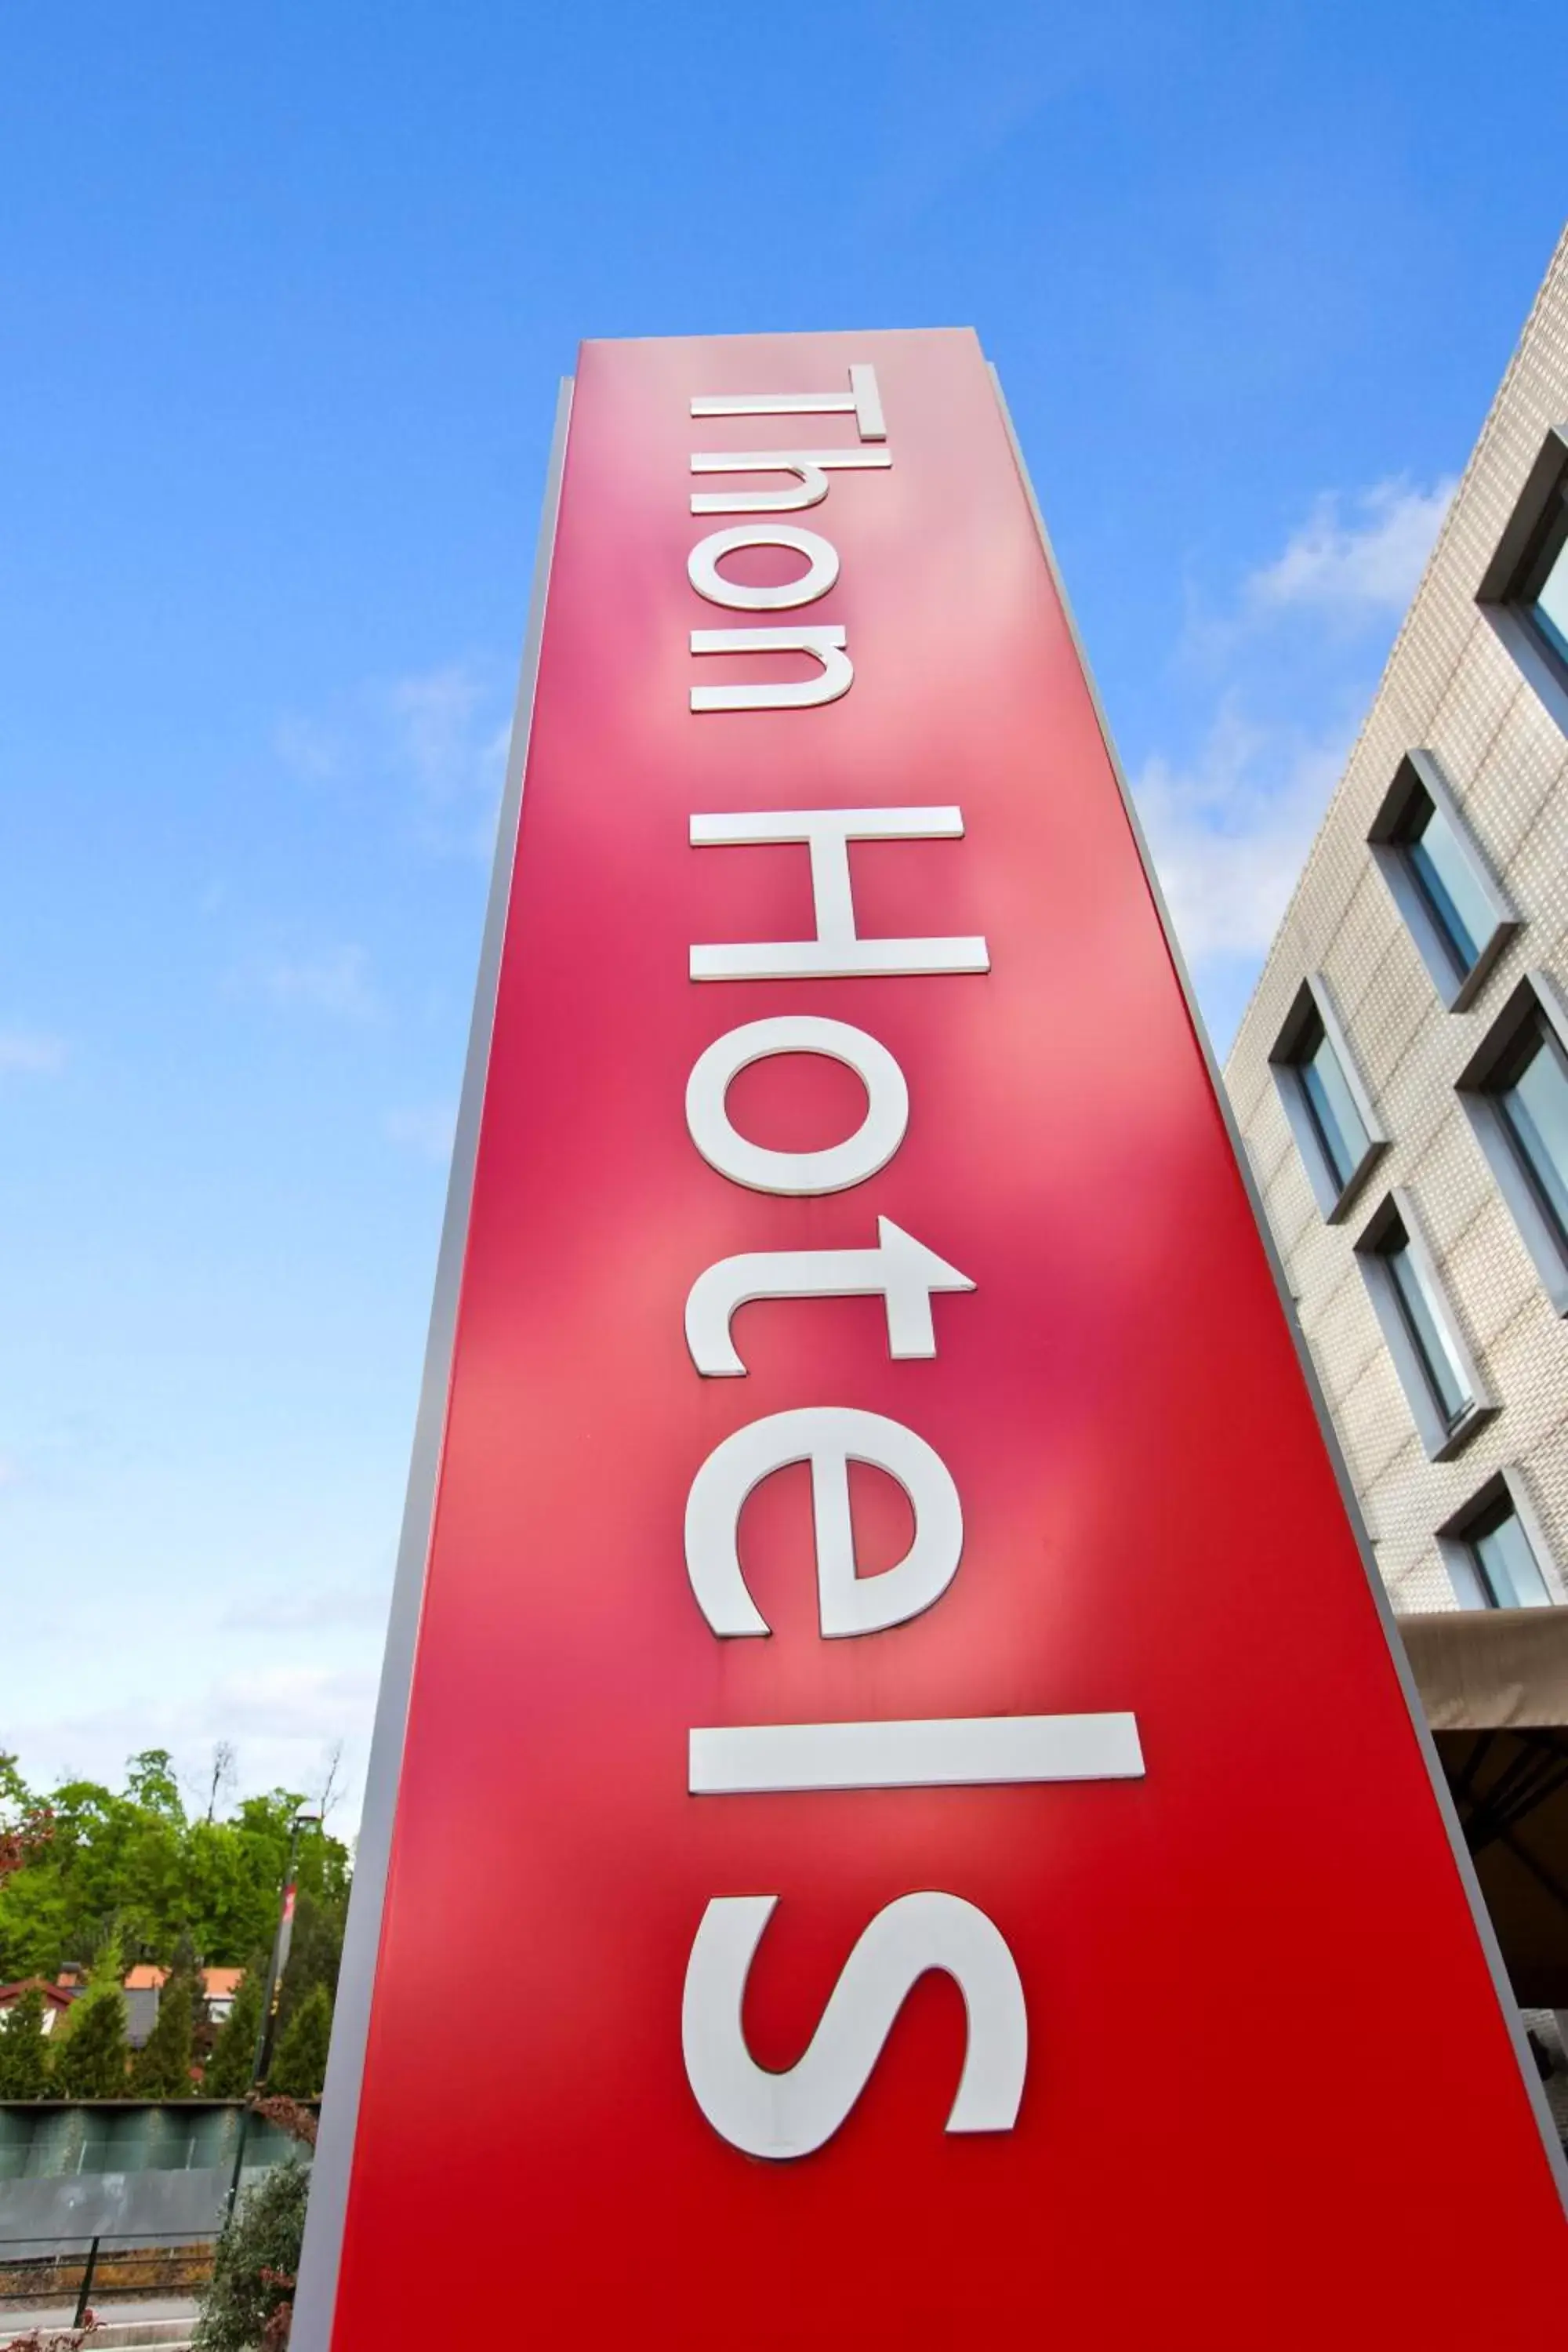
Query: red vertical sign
x,y
908,1829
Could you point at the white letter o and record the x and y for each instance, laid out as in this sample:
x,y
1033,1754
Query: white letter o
x,y
821,572
838,1167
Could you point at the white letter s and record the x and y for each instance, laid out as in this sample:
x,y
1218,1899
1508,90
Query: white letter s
x,y
790,2114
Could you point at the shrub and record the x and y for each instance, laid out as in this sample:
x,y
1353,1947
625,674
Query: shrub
x,y
58,2338
251,2298
61,2340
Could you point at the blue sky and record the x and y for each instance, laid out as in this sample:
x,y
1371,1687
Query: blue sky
x,y
289,290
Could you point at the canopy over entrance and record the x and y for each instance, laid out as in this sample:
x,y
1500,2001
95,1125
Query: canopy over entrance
x,y
1494,1684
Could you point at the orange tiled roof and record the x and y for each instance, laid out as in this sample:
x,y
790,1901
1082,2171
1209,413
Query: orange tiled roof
x,y
217,1984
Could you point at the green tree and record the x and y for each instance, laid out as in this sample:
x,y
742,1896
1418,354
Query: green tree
x,y
27,1828
187,1964
300,2068
132,1856
24,2052
316,1951
150,1781
228,2075
162,2067
89,2059
256,2263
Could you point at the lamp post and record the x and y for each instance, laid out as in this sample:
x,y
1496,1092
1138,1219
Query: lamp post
x,y
262,2058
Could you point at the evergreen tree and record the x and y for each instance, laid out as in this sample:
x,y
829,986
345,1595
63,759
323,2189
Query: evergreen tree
x,y
162,2067
187,1964
315,1952
91,2054
300,2068
228,2075
24,2052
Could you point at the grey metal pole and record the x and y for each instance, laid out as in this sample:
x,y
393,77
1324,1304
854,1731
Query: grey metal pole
x,y
87,2269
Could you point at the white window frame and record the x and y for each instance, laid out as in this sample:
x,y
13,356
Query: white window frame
x,y
1457,1549
1499,595
1334,1200
1536,991
1441,1438
1420,771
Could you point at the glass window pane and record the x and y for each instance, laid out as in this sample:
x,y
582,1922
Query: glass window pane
x,y
1449,886
1550,608
1323,1126
1334,1114
1535,1105
1509,1566
1428,1333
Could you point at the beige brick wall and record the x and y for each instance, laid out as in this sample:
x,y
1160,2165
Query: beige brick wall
x,y
1452,687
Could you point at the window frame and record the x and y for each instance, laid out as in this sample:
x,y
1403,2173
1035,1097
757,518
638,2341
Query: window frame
x,y
1420,773
1501,593
1535,995
1441,1438
1311,1001
1456,1547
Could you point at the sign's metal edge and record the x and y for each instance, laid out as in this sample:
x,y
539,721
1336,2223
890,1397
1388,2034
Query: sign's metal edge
x,y
316,2297
1463,1863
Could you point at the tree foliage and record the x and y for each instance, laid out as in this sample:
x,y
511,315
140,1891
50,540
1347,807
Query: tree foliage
x,y
187,1967
24,2052
95,1856
300,2067
162,2067
27,1824
316,1952
256,2265
88,2061
228,2075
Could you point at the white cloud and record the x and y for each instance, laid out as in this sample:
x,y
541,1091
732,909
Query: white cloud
x,y
336,982
436,737
282,1720
309,748
426,1129
1230,825
1349,570
291,1703
1230,832
288,1612
448,724
32,1051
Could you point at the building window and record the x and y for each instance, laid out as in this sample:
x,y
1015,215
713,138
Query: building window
x,y
1447,1397
1524,594
1493,1550
1515,1089
1336,1129
1531,1094
1543,592
1459,917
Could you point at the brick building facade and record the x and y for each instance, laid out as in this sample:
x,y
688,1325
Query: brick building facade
x,y
1401,1074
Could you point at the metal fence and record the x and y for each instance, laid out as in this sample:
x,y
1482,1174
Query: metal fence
x,y
90,2271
